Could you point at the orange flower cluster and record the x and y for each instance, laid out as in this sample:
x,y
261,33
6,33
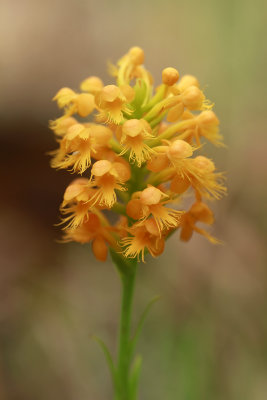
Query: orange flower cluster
x,y
136,151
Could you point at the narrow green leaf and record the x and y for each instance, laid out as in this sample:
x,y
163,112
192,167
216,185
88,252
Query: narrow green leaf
x,y
108,359
134,379
141,323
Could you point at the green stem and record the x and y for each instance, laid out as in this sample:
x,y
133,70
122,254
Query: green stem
x,y
170,132
124,359
119,208
157,97
115,146
127,270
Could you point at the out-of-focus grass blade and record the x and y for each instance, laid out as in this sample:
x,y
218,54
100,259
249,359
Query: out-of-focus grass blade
x,y
108,358
141,323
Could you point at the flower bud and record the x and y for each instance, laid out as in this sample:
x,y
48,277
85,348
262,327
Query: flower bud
x,y
137,55
170,76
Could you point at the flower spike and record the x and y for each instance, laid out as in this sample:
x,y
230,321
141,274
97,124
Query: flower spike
x,y
139,153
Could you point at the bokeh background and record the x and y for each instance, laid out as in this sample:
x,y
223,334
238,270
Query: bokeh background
x,y
207,336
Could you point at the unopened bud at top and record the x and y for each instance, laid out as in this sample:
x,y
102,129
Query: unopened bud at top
x,y
170,76
137,55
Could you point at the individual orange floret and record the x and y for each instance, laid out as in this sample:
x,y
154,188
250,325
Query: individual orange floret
x,y
199,212
79,144
91,230
82,104
208,127
175,163
145,236
77,202
198,172
205,180
191,98
205,124
75,149
132,135
152,201
170,155
112,102
130,66
108,177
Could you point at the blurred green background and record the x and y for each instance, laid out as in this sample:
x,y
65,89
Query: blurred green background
x,y
206,339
